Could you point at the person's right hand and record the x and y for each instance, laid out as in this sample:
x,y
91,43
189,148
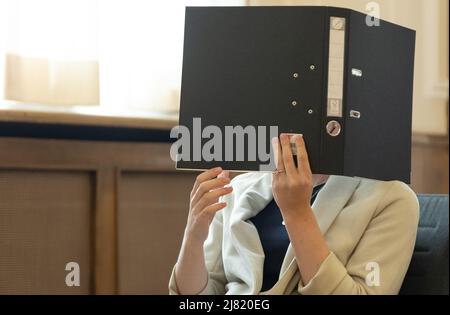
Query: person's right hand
x,y
208,188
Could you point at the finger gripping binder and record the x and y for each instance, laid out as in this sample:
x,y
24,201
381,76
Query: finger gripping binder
x,y
323,72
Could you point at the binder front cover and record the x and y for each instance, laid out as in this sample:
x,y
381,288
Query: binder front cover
x,y
250,73
255,68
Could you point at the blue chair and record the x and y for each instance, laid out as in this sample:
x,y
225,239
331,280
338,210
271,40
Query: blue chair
x,y
428,271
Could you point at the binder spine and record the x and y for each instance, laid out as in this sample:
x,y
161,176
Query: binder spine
x,y
336,49
333,117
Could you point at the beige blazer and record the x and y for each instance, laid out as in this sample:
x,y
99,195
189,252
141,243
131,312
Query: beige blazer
x,y
370,227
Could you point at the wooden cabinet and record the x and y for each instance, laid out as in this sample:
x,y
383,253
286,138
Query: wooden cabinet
x,y
45,222
151,216
118,209
430,164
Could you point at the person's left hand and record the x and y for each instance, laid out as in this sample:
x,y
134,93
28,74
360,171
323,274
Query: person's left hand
x,y
291,185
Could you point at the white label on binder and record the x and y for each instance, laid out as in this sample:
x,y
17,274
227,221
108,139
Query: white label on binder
x,y
334,107
336,55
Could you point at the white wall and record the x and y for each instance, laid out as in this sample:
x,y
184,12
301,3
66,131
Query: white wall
x,y
430,20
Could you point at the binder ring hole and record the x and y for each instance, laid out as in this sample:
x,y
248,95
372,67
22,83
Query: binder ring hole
x,y
333,128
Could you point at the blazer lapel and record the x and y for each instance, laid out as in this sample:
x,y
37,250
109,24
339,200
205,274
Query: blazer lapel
x,y
332,198
329,202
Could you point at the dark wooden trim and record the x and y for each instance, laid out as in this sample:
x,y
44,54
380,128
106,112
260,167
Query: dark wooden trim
x,y
83,132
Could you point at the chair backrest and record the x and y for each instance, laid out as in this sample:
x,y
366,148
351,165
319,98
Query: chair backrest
x,y
428,271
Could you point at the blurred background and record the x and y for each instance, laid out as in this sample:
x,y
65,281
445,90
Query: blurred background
x,y
89,90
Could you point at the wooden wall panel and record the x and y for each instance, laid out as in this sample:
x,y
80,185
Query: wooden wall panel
x,y
430,173
118,208
152,214
45,222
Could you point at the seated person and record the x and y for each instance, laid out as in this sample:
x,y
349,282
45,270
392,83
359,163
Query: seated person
x,y
294,232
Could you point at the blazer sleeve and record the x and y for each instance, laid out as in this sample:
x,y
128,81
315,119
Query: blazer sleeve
x,y
386,246
213,261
